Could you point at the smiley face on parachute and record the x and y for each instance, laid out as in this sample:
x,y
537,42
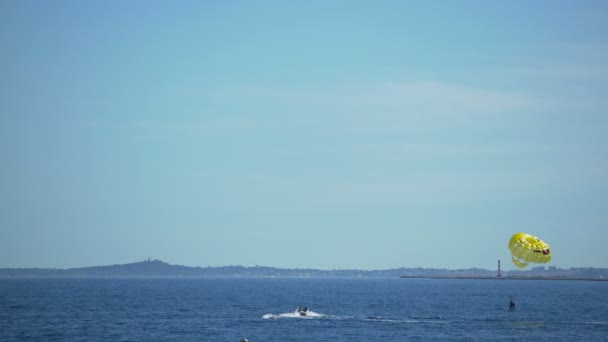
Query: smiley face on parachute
x,y
526,248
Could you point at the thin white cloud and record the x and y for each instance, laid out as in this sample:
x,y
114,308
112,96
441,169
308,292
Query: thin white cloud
x,y
564,71
436,149
446,98
572,74
426,97
194,125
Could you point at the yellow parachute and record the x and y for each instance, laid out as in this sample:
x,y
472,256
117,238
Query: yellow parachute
x,y
526,248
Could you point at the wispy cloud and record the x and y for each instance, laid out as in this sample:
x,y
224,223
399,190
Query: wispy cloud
x,y
591,71
457,149
445,98
194,125
563,62
427,96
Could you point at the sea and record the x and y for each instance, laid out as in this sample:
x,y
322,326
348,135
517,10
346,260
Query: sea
x,y
262,309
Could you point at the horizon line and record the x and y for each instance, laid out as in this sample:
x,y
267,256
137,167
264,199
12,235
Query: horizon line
x,y
535,267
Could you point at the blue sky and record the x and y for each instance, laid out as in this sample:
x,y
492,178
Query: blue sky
x,y
342,134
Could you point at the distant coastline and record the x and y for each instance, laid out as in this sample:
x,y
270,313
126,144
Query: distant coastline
x,y
511,278
159,269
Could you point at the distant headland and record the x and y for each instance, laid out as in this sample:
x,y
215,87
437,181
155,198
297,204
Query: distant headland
x,y
159,269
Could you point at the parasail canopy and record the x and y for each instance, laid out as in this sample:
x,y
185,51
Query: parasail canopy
x,y
526,248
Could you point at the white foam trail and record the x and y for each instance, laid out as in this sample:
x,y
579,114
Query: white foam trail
x,y
309,315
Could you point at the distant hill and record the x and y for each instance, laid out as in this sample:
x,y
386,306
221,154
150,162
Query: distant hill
x,y
156,269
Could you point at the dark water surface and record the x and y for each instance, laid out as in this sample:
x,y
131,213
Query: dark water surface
x,y
261,310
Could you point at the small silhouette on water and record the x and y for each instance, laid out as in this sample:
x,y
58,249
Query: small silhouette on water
x,y
511,305
302,310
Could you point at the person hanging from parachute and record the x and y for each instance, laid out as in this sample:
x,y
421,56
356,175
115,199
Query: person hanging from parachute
x,y
526,248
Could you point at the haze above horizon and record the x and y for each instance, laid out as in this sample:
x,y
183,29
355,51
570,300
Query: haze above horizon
x,y
328,135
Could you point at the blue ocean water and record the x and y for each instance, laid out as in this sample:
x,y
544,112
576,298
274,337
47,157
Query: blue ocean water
x,y
261,310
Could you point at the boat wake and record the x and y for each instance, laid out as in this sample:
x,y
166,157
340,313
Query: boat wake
x,y
296,314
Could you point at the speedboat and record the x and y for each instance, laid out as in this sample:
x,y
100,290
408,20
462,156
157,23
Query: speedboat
x,y
302,311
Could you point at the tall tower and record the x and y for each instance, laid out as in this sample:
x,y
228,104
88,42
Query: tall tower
x,y
499,274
